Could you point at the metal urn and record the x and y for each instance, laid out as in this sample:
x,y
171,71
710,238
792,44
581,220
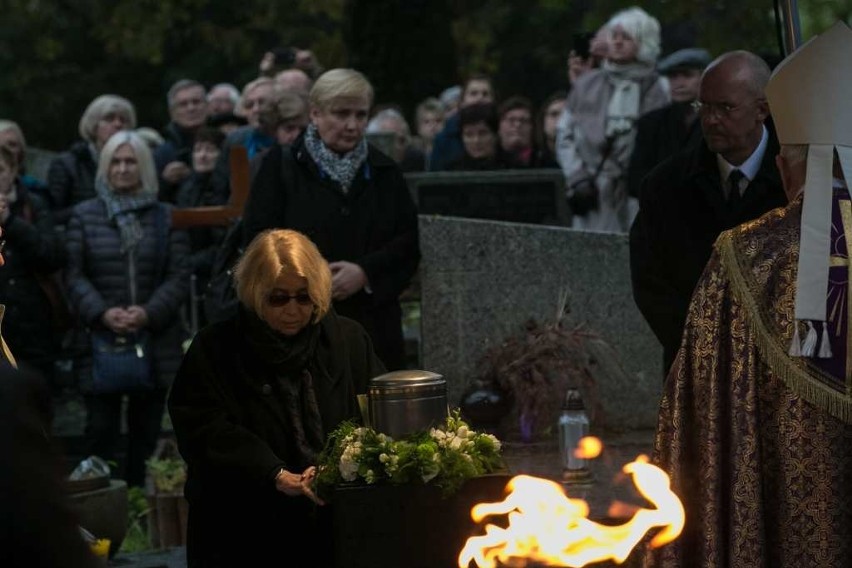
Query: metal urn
x,y
405,402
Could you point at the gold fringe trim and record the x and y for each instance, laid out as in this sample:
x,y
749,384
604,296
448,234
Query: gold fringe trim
x,y
798,376
5,352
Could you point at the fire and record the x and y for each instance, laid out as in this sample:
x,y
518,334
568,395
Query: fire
x,y
547,527
588,448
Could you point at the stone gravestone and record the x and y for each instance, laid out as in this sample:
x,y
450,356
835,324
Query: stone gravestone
x,y
519,196
481,280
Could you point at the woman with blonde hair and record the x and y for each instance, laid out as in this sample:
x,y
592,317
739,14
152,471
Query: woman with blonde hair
x,y
127,276
253,401
596,132
352,201
71,176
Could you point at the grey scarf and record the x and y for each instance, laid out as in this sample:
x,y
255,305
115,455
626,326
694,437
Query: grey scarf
x,y
623,108
341,169
122,208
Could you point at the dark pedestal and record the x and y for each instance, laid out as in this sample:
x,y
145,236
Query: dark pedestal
x,y
412,526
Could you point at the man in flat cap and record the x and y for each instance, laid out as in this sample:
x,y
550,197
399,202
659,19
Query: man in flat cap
x,y
666,131
726,179
755,425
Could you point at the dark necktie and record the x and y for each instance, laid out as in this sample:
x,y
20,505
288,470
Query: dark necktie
x,y
734,196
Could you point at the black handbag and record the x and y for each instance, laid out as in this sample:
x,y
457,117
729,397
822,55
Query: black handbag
x,y
121,363
583,193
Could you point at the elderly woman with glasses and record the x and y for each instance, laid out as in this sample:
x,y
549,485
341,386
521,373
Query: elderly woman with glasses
x,y
254,400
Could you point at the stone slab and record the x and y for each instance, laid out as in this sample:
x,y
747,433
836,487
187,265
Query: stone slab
x,y
481,280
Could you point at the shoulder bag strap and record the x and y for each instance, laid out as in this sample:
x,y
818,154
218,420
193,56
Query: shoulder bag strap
x,y
161,224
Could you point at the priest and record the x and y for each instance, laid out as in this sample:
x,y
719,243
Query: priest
x,y
755,425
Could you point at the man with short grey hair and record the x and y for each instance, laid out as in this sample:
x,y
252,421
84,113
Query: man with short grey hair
x,y
188,111
727,179
222,99
390,122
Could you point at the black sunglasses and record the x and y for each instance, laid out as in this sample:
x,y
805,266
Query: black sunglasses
x,y
280,299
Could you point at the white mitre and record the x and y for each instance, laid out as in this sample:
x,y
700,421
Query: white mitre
x,y
810,98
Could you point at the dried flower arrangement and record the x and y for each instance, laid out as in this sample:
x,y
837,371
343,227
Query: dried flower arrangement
x,y
537,366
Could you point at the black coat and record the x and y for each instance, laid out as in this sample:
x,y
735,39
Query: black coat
x,y
198,191
682,211
176,148
33,251
659,134
233,434
71,179
374,225
97,279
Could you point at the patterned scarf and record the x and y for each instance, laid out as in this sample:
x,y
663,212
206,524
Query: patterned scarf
x,y
122,208
294,365
341,169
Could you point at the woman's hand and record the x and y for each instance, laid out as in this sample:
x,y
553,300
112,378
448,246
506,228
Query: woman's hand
x,y
294,484
117,320
137,318
175,172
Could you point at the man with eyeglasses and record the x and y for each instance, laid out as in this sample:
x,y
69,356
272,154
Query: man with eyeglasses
x,y
187,100
688,200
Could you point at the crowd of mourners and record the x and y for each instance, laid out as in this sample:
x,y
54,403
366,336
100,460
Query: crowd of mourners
x,y
91,247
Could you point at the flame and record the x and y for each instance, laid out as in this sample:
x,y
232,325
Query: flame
x,y
547,527
588,448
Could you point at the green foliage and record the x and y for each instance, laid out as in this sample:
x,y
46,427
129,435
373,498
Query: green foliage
x,y
58,56
169,474
136,539
405,48
445,457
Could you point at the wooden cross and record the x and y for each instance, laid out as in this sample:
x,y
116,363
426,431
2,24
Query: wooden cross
x,y
221,215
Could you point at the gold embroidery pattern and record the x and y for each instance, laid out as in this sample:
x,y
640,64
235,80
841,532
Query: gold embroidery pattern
x,y
761,259
765,475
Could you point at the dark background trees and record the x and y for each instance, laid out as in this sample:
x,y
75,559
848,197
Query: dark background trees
x,y
57,55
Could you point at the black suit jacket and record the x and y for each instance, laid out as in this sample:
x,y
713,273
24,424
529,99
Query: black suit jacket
x,y
659,134
682,211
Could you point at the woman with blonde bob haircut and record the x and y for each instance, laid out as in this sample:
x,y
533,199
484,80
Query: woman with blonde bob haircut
x,y
274,253
253,402
340,83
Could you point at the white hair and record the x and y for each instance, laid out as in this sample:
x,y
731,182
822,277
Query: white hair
x,y
99,108
231,90
375,126
144,159
643,28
